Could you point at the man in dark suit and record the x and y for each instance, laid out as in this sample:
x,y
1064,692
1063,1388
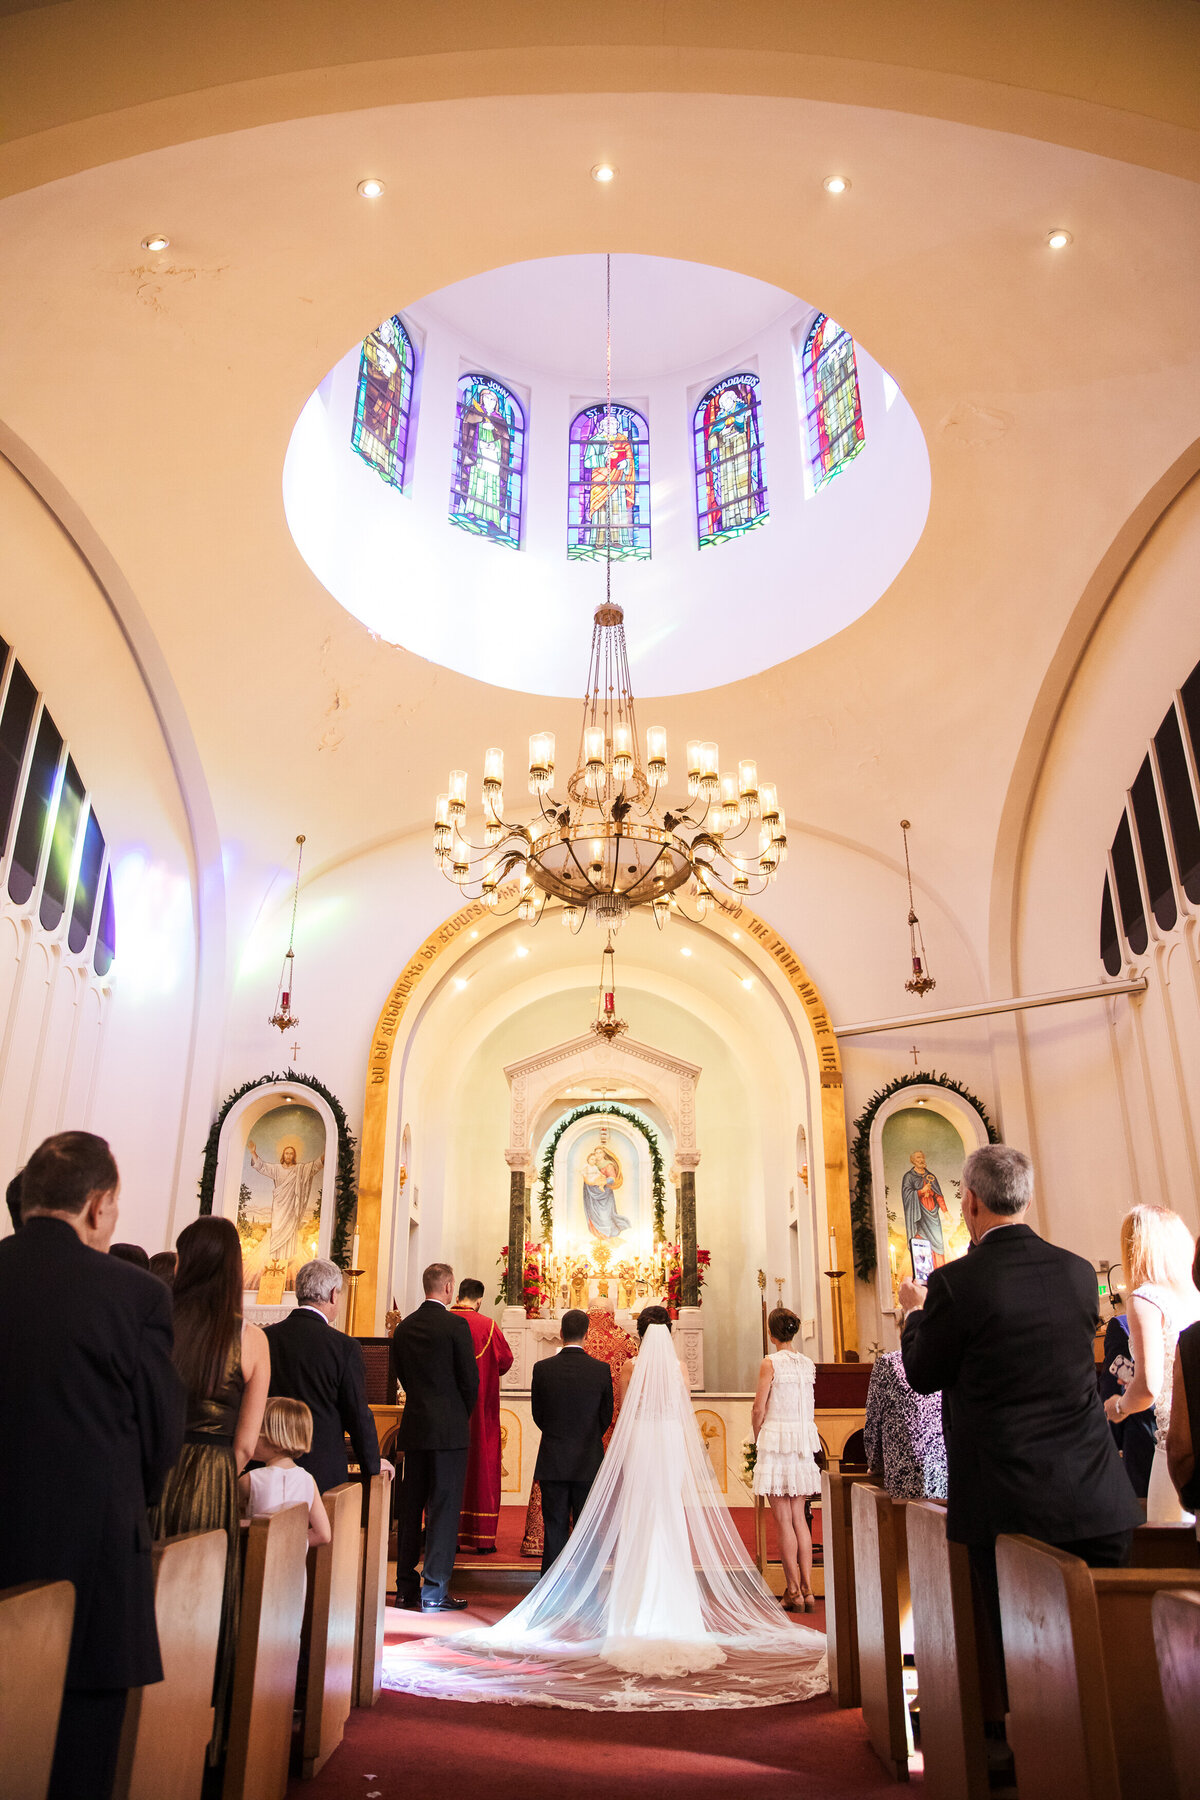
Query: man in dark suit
x,y
313,1362
433,1356
1006,1334
571,1396
91,1420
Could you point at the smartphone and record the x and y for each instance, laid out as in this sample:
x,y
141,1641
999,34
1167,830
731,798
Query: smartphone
x,y
921,1251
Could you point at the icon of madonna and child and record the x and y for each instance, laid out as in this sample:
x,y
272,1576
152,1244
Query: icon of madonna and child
x,y
602,1176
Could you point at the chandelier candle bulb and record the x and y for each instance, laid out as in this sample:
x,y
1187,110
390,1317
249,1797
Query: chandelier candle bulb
x,y
710,771
570,916
458,793
662,911
656,753
768,802
541,761
731,811
622,752
695,766
748,788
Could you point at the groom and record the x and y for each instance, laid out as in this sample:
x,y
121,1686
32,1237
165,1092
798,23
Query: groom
x,y
571,1395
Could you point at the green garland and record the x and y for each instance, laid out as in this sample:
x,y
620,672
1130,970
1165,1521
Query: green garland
x,y
862,1225
546,1174
345,1203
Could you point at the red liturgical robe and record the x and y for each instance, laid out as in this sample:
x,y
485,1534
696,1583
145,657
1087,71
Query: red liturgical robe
x,y
481,1496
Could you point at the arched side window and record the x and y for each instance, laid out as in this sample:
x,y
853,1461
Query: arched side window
x,y
383,404
608,485
489,461
832,404
731,488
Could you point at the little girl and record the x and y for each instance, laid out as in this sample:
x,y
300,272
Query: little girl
x,y
286,1433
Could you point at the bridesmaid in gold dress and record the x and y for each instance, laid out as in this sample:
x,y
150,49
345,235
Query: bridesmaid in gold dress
x,y
226,1367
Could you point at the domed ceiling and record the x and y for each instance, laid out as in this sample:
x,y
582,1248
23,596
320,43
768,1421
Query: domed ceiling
x,y
458,483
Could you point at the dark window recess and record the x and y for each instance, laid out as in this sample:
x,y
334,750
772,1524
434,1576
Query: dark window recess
x,y
14,735
106,937
35,810
1181,806
1191,708
1155,860
1110,948
87,886
62,848
1129,894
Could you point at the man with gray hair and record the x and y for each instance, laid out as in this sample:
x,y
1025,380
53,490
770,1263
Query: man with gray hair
x,y
313,1362
1005,1334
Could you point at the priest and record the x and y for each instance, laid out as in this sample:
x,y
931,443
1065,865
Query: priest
x,y
481,1496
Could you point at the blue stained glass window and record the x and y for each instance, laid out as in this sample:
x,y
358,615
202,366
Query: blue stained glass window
x,y
832,404
608,485
383,405
489,461
731,489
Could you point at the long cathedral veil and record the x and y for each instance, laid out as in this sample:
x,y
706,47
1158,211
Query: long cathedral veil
x,y
654,1601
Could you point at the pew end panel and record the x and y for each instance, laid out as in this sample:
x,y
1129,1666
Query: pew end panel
x,y
841,1614
372,1594
268,1651
1165,1547
1176,1618
882,1600
167,1729
330,1620
35,1640
947,1658
1141,1729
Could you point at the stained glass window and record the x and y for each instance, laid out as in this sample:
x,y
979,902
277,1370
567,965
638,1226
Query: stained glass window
x,y
731,491
608,485
831,400
489,460
383,405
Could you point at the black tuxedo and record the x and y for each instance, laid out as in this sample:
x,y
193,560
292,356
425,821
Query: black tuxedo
x,y
313,1362
91,1420
571,1396
433,1355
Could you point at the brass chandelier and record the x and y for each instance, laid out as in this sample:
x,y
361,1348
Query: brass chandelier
x,y
609,841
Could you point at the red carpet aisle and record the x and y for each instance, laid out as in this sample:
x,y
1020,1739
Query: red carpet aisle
x,y
409,1749
512,1527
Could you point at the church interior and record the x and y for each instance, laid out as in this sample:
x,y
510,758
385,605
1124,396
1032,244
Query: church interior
x,y
381,384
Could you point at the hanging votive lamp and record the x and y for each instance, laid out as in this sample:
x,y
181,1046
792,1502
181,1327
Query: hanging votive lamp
x,y
283,1018
921,980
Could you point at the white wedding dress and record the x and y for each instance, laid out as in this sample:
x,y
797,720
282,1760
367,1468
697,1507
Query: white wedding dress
x,y
654,1602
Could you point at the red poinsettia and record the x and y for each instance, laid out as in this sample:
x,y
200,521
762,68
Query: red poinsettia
x,y
675,1275
535,1289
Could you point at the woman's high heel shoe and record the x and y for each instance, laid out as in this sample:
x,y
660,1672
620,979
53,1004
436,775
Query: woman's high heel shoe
x,y
791,1600
809,1598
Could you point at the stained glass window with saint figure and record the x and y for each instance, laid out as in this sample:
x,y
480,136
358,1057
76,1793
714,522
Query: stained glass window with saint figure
x,y
383,404
608,485
832,404
731,489
489,461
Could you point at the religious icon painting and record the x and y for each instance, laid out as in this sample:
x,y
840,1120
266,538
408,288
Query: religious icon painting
x,y
383,401
832,403
279,1200
489,461
608,485
923,1157
731,489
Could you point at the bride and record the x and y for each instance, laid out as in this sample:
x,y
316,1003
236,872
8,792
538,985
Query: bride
x,y
654,1603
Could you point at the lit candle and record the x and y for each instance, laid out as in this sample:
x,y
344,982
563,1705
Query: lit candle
x,y
354,1253
892,1257
833,1260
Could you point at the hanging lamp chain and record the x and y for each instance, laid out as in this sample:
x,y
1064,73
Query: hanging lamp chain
x,y
296,893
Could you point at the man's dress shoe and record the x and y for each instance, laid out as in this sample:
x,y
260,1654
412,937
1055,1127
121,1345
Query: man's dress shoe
x,y
447,1603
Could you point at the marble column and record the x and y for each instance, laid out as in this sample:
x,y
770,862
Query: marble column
x,y
516,1232
689,1281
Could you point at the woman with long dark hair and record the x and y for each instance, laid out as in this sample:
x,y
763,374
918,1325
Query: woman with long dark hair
x,y
226,1367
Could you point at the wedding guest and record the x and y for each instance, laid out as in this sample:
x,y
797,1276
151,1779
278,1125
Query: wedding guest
x,y
1156,1254
91,1419
12,1198
571,1397
783,1422
314,1362
287,1432
1006,1335
434,1360
162,1264
1133,1433
902,1436
226,1368
481,1495
130,1253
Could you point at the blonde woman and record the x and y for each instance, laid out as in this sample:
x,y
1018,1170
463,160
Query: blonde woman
x,y
1156,1254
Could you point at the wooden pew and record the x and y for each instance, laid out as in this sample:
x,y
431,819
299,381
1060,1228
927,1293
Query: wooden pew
x,y
882,1604
268,1650
952,1738
837,1557
1165,1547
1086,1711
1176,1617
329,1629
168,1726
35,1638
372,1593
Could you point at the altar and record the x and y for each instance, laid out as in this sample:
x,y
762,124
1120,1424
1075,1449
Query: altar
x,y
532,1339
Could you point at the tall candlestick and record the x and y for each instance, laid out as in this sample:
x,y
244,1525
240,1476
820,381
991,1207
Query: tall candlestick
x,y
833,1256
354,1253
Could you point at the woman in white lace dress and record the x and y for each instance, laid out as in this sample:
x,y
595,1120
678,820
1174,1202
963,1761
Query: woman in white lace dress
x,y
1156,1254
785,1469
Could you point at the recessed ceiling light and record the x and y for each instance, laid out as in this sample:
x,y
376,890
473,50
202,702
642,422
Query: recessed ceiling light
x,y
473,934
747,981
684,951
1058,239
156,241
522,949
603,172
922,1103
460,982
371,188
836,184
737,937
